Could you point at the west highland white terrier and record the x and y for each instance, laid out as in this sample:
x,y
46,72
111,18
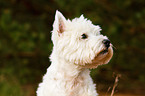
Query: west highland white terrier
x,y
78,46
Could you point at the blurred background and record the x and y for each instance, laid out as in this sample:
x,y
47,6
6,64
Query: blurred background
x,y
25,43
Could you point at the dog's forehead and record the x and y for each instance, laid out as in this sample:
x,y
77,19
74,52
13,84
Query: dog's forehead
x,y
82,25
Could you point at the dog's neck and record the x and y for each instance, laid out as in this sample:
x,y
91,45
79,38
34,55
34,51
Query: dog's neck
x,y
67,69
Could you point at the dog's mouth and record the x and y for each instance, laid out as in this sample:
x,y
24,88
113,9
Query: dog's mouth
x,y
103,52
102,57
99,59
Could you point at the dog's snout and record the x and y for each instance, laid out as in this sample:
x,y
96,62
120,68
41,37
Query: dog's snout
x,y
106,43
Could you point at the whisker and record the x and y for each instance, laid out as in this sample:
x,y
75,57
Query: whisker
x,y
113,47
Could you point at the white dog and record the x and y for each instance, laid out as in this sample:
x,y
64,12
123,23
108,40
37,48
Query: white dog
x,y
78,46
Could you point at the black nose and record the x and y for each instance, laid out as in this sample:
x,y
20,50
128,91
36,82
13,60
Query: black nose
x,y
106,43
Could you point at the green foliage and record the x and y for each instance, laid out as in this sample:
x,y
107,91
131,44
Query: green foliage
x,y
25,44
10,89
9,85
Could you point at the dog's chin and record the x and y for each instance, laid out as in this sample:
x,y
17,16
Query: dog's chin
x,y
102,57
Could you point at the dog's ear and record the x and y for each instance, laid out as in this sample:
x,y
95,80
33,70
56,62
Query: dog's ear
x,y
59,22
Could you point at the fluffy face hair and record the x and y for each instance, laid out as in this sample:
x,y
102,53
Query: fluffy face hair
x,y
78,41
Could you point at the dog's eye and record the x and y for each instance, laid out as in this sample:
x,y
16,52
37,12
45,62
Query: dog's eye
x,y
84,36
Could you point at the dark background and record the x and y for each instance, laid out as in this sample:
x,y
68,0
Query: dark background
x,y
25,43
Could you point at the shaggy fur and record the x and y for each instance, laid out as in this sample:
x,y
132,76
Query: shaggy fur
x,y
78,46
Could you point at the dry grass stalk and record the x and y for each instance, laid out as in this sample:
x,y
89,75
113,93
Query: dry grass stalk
x,y
115,83
107,91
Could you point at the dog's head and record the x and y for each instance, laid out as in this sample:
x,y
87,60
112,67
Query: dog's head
x,y
80,42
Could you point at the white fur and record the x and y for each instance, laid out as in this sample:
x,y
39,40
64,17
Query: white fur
x,y
72,56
